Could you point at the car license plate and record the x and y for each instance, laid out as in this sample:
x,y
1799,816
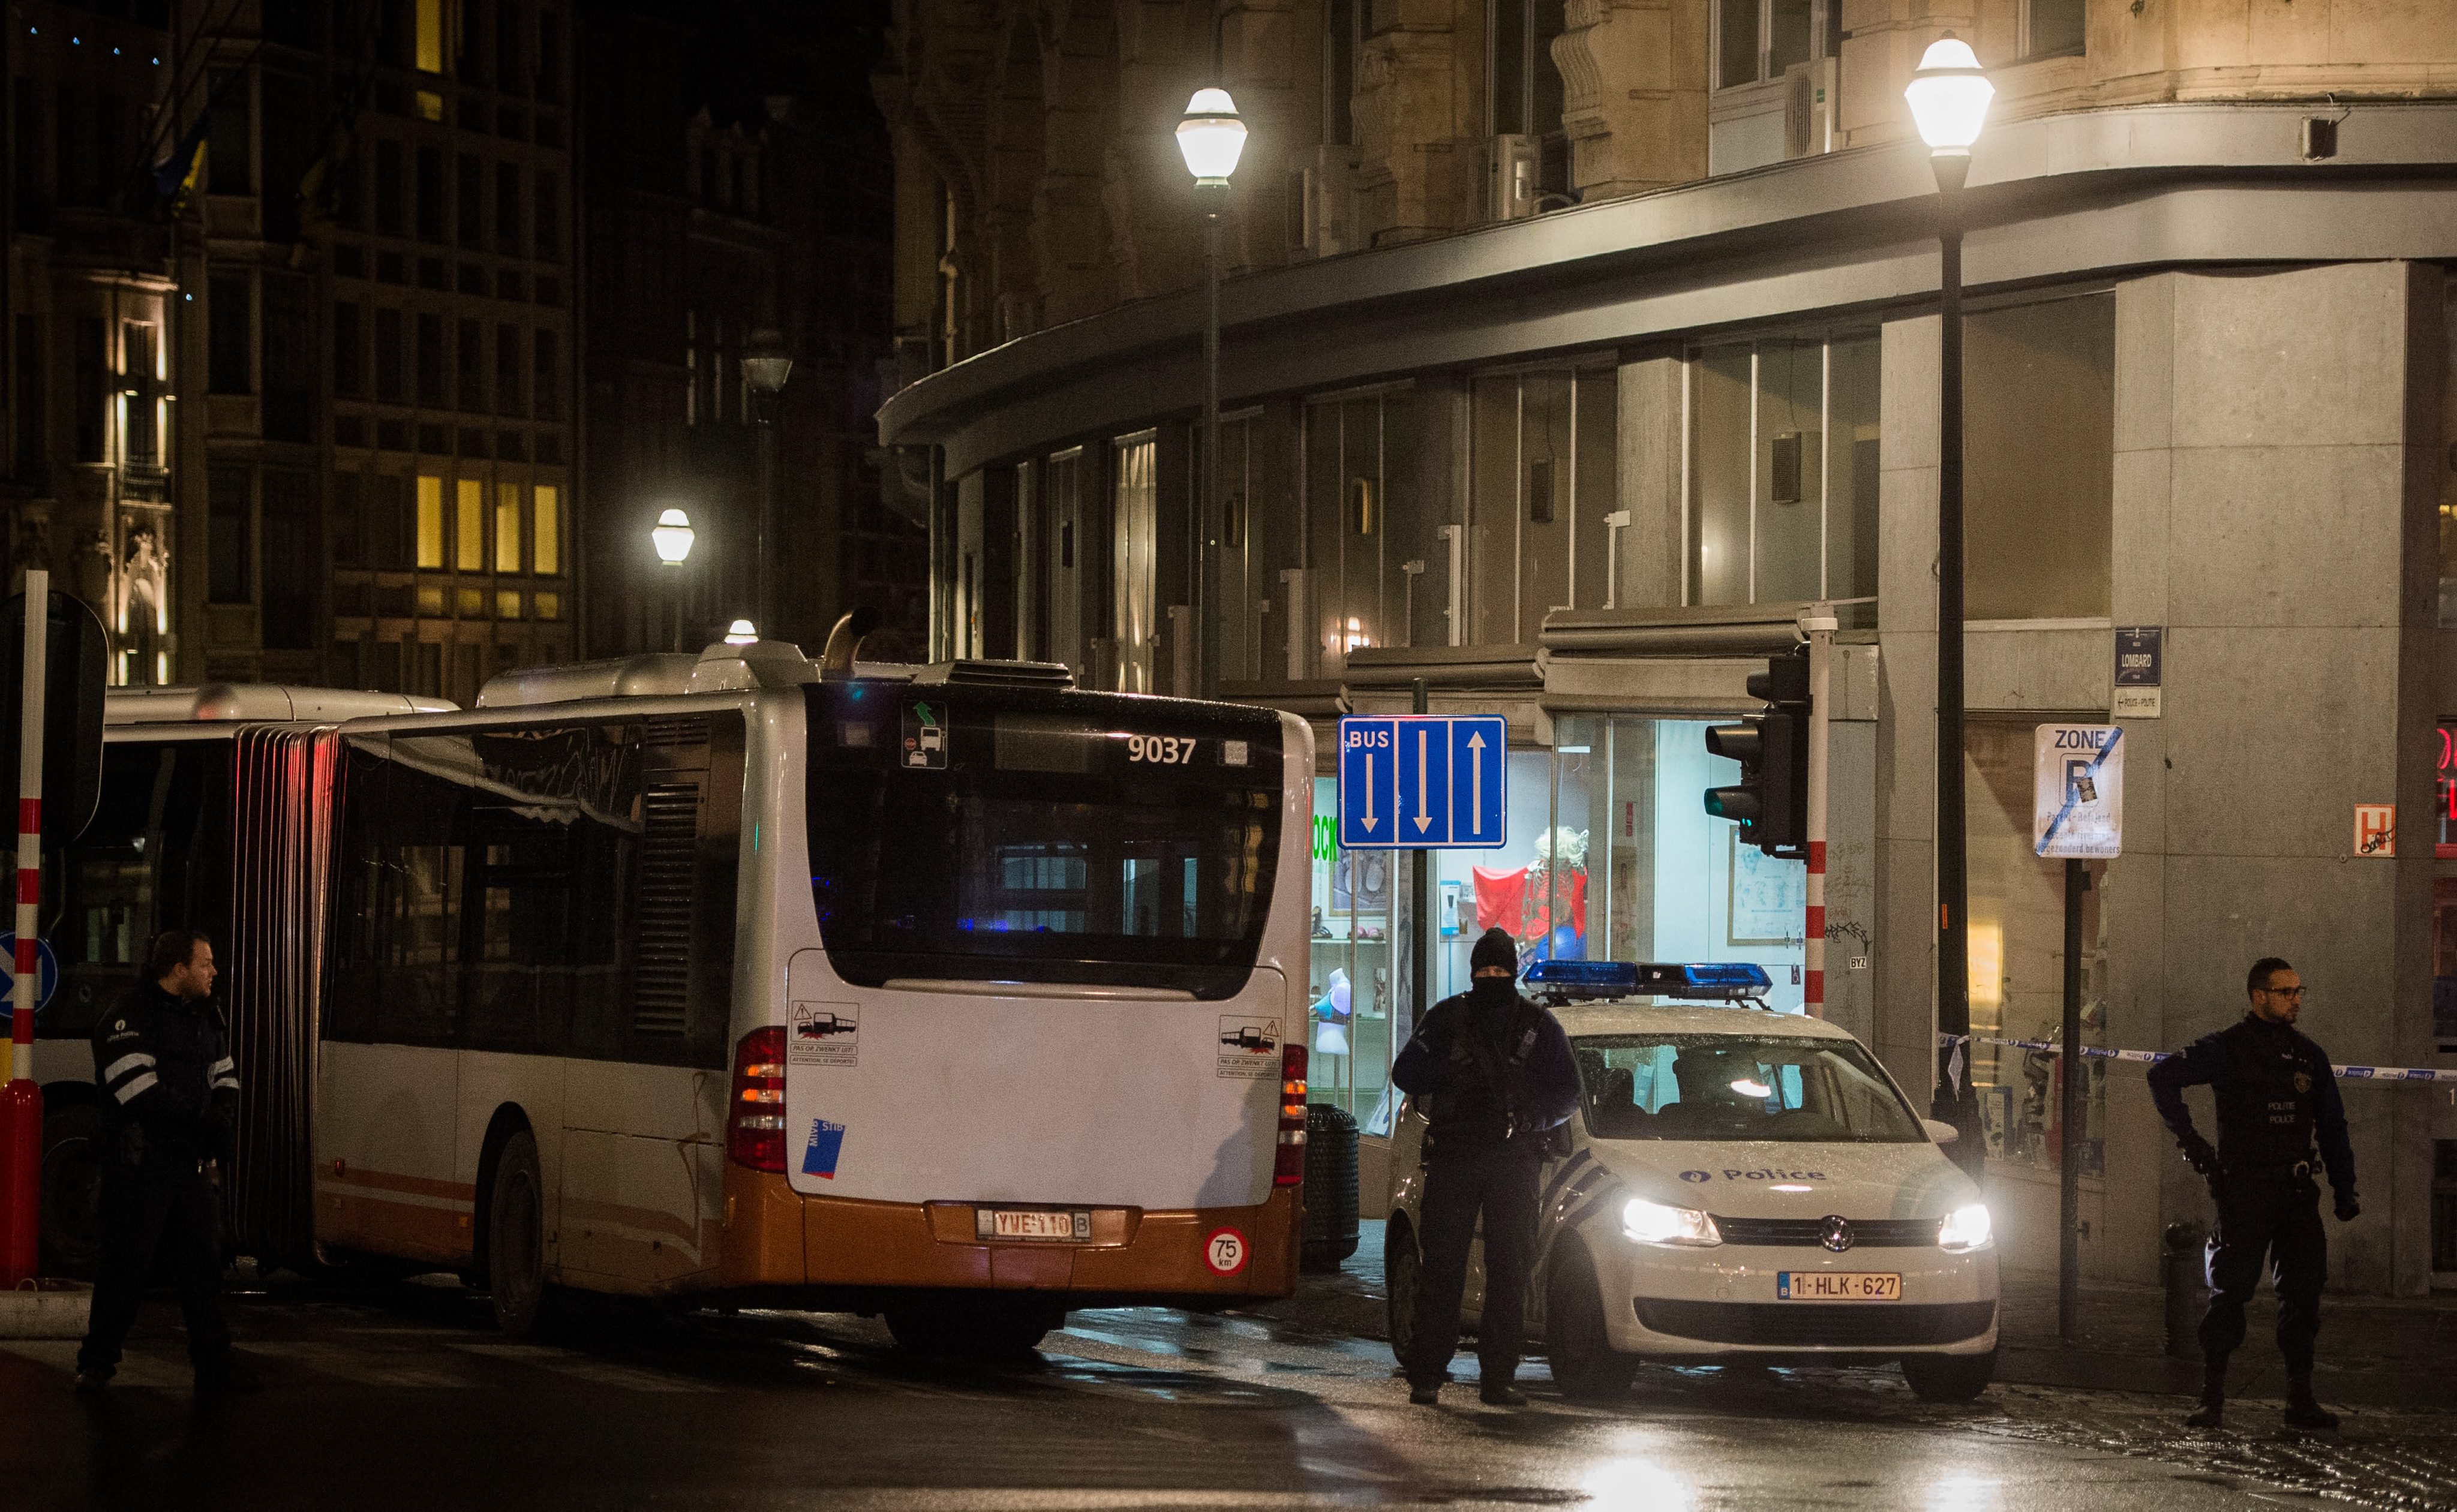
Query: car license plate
x,y
1838,1286
1031,1223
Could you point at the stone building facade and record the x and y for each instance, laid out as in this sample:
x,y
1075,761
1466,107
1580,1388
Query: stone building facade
x,y
1572,419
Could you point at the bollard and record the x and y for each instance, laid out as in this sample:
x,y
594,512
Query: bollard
x,y
2184,1271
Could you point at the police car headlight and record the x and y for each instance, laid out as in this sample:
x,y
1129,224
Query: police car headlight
x,y
1965,1230
1654,1223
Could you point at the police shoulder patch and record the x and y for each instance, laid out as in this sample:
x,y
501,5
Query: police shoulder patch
x,y
2302,1081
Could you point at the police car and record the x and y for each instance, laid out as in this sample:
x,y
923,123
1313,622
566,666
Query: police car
x,y
1738,1186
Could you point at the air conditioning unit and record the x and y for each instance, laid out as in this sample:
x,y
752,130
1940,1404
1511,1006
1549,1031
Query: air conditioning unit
x,y
1513,177
1322,197
1808,108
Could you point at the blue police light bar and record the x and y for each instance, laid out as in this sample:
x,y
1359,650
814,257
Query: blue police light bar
x,y
1599,981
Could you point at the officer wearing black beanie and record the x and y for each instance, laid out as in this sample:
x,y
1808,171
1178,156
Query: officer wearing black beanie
x,y
1494,1076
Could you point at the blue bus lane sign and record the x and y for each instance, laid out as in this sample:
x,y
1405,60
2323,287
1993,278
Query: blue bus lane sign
x,y
1429,782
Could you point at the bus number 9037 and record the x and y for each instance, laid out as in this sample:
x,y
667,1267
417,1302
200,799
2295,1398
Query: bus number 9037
x,y
1166,749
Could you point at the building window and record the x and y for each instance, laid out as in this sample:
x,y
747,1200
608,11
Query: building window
x,y
2053,28
1544,481
470,190
291,386
387,532
508,208
430,520
91,369
511,72
1364,506
291,569
470,533
139,384
547,515
391,219
2039,458
1526,95
390,362
468,358
549,388
1135,559
229,150
430,42
230,357
550,67
507,370
508,528
549,216
33,412
349,357
430,194
1755,40
1783,477
230,556
430,360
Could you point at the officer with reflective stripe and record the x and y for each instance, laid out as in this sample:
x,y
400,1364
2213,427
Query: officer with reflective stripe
x,y
164,1057
2276,1096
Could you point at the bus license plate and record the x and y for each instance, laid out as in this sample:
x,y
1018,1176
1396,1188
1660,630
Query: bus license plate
x,y
1031,1223
1838,1286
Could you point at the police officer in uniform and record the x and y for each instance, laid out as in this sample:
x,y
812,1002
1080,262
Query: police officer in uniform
x,y
163,1056
2276,1095
1494,1076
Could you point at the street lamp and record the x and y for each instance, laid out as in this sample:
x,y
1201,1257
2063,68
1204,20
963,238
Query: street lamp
x,y
1211,138
766,366
673,536
1948,97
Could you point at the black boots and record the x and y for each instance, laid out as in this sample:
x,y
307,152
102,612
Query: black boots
x,y
2303,1410
2212,1412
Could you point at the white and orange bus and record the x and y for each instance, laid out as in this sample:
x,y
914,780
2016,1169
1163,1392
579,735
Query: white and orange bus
x,y
950,993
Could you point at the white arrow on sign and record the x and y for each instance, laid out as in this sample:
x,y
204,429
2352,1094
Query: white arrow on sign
x,y
1370,820
1476,784
1424,819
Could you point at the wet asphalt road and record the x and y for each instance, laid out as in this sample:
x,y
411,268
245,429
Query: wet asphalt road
x,y
385,1396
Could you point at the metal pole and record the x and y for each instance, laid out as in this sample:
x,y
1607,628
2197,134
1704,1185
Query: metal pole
x,y
1819,622
21,1105
2071,1069
1953,1100
1207,605
764,594
1423,902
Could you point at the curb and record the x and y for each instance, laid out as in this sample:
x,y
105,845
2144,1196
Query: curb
x,y
46,1310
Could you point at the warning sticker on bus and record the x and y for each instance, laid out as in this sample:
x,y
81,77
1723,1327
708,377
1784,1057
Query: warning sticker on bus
x,y
1250,1048
825,1034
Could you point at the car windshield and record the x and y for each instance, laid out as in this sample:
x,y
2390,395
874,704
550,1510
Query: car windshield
x,y
1730,1086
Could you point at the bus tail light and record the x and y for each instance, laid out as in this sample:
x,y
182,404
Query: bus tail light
x,y
755,1121
1288,1162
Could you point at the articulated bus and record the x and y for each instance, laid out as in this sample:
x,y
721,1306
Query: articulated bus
x,y
951,993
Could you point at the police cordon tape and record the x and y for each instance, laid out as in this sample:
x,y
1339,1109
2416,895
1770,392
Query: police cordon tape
x,y
2345,1073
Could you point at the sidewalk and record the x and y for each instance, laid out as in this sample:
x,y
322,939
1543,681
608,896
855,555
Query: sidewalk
x,y
2374,1352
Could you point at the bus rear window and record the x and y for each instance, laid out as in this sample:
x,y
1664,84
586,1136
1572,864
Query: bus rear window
x,y
1037,837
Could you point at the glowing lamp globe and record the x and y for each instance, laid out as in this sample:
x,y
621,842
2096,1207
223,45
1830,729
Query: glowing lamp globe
x,y
741,632
673,537
1950,96
1211,138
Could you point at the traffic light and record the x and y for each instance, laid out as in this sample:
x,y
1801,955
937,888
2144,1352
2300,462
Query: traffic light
x,y
1772,802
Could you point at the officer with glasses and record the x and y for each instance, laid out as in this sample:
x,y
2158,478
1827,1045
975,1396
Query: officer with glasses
x,y
2276,1097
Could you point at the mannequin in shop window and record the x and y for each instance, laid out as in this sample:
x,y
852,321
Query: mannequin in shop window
x,y
1524,900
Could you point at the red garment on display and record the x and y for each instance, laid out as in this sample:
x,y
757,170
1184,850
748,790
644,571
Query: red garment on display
x,y
1501,899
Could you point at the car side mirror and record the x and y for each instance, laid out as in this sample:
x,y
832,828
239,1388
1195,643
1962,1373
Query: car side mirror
x,y
1941,1132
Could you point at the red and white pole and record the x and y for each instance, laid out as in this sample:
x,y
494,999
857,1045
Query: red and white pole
x,y
1819,624
21,1102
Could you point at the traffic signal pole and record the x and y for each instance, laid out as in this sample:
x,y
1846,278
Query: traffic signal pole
x,y
1818,623
21,1102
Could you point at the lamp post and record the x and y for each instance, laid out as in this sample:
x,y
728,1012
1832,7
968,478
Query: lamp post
x,y
766,366
1211,138
673,536
1948,97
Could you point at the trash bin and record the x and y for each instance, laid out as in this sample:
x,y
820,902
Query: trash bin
x,y
1329,1187
2184,1270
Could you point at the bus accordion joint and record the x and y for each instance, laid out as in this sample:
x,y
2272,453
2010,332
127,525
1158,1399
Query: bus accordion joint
x,y
754,1122
1288,1162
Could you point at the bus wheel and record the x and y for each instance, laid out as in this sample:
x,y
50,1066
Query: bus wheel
x,y
516,1238
73,1137
1584,1363
1402,1274
963,1328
